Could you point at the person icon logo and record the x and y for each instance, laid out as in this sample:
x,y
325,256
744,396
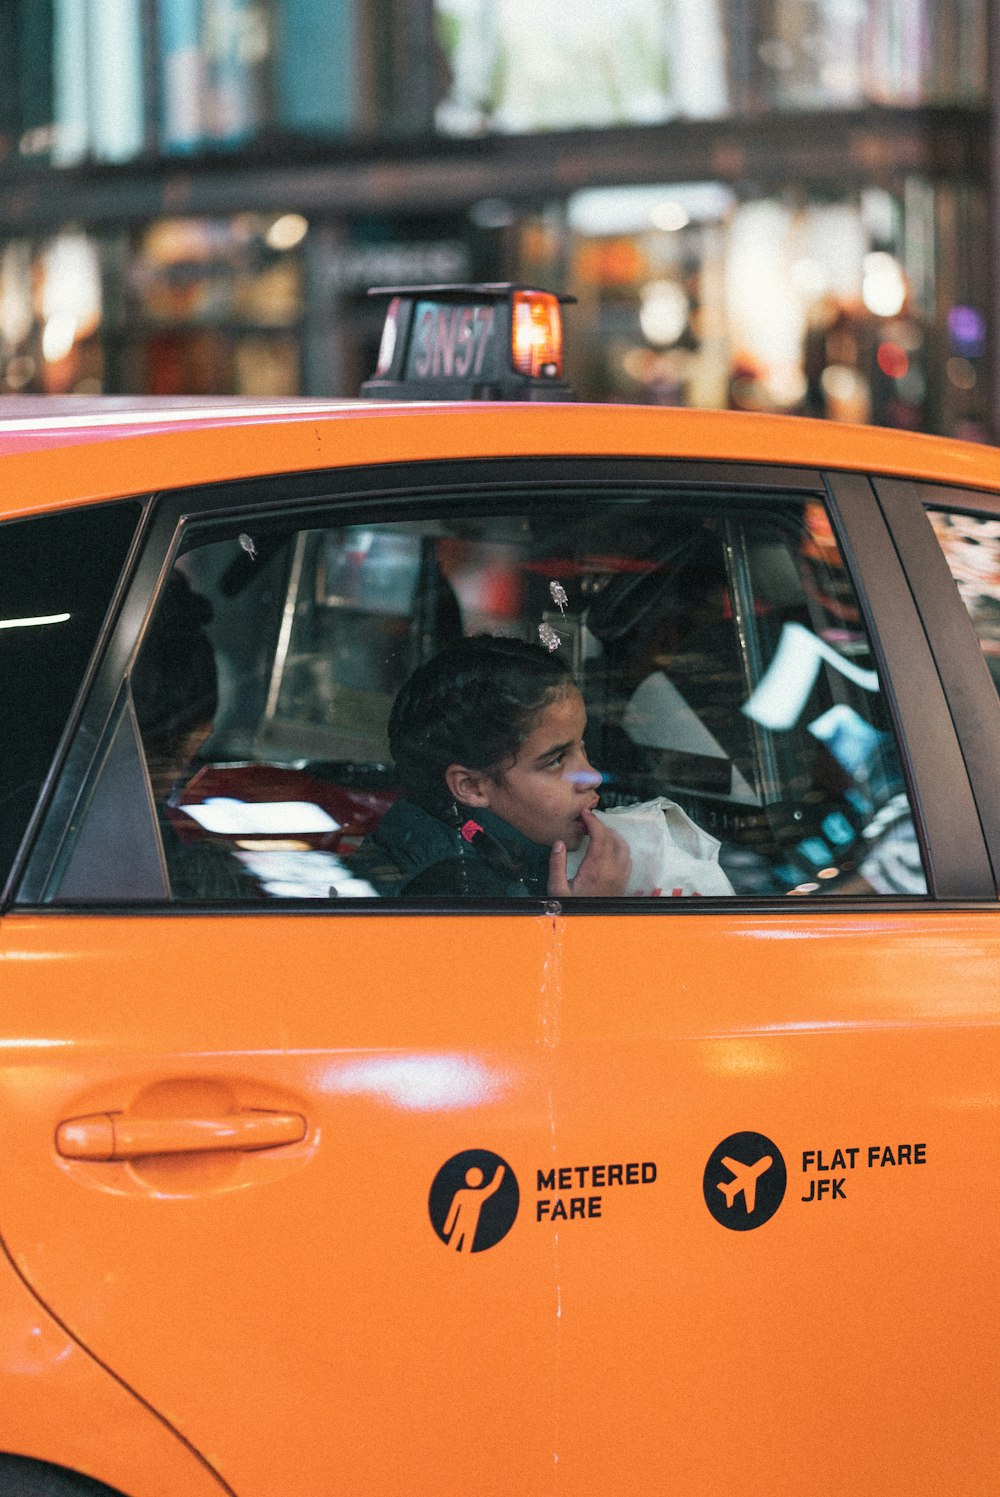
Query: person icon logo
x,y
474,1201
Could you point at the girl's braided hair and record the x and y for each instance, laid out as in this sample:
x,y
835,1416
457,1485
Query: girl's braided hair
x,y
473,703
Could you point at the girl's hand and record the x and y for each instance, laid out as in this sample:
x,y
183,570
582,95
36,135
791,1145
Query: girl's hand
x,y
605,867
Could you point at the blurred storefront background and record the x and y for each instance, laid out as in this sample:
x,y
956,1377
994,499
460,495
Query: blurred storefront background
x,y
768,204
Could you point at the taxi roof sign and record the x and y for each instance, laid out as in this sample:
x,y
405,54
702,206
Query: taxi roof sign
x,y
495,341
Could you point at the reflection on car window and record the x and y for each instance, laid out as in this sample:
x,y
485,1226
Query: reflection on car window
x,y
176,697
971,544
497,704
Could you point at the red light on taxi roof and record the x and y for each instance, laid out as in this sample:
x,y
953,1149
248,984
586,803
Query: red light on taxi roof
x,y
536,335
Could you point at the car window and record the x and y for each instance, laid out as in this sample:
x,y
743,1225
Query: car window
x,y
59,573
971,544
724,704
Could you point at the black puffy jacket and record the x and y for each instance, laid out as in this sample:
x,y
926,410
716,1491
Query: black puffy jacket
x,y
414,853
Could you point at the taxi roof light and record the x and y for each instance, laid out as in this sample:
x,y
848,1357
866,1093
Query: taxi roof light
x,y
536,335
490,341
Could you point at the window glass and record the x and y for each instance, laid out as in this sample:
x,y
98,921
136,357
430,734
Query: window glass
x,y
695,667
971,544
59,572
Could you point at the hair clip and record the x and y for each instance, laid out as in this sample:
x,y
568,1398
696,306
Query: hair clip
x,y
469,830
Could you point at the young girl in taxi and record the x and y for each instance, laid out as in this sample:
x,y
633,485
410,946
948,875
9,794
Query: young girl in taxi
x,y
487,739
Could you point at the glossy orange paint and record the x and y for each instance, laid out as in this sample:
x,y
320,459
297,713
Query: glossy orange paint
x,y
61,1406
293,1314
332,436
287,1317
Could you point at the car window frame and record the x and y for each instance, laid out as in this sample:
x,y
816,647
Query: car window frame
x,y
965,678
70,736
922,721
949,827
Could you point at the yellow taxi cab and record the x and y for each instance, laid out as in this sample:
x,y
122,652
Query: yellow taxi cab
x,y
573,1170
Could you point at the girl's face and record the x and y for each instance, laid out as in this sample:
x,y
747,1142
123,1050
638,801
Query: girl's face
x,y
551,781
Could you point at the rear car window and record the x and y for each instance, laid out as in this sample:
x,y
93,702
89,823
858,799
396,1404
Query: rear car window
x,y
971,545
715,640
58,576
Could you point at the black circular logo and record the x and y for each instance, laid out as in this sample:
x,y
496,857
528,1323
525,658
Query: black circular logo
x,y
474,1201
745,1181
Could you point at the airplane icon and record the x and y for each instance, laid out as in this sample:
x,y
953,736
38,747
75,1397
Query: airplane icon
x,y
745,1177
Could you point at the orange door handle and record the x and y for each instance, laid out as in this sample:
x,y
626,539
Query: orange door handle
x,y
106,1136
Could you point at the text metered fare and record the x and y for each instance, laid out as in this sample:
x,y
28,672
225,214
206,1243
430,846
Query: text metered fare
x,y
574,1191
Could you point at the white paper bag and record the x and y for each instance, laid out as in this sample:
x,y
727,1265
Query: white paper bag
x,y
671,856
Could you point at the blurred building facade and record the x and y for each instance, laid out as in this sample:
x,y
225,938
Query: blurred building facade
x,y
769,204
